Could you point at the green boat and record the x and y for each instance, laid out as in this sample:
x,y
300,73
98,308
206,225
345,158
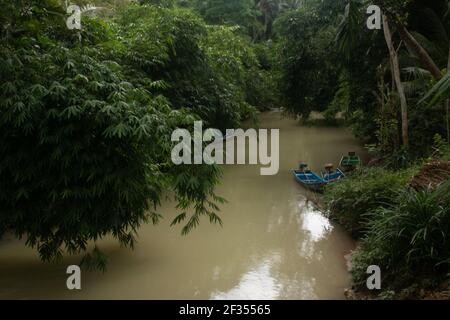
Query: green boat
x,y
350,162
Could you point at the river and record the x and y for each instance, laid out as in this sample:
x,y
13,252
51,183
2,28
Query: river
x,y
273,245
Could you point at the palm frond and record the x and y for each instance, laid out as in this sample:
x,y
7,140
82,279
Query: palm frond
x,y
348,31
440,92
417,73
414,87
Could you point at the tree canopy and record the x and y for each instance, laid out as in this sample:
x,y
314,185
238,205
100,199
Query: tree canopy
x,y
86,115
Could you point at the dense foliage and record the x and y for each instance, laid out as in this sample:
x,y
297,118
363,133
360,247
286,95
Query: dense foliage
x,y
352,71
245,69
364,191
402,221
165,45
307,57
392,86
86,115
409,241
86,118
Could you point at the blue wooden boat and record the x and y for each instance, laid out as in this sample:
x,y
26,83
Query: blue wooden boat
x,y
332,176
309,179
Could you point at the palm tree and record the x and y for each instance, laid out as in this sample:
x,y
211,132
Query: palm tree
x,y
270,10
435,16
395,65
437,19
347,40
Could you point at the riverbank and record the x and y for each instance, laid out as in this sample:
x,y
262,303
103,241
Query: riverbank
x,y
401,219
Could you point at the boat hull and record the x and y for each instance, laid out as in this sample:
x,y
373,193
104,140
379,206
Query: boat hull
x,y
333,177
309,180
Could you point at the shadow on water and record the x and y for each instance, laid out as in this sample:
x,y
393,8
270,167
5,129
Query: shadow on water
x,y
274,244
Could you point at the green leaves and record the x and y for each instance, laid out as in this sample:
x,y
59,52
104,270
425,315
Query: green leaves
x,y
408,238
365,191
85,146
204,69
38,90
439,93
350,29
191,188
96,260
119,131
309,64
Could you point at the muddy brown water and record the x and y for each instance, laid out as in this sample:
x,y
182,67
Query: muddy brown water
x,y
273,245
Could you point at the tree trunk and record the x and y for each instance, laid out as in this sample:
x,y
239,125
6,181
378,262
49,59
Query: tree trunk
x,y
398,81
423,55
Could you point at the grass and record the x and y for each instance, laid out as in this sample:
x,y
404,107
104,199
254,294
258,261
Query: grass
x,y
409,240
404,231
364,191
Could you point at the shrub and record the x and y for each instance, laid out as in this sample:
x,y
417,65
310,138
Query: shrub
x,y
308,77
237,63
365,191
176,47
85,147
408,239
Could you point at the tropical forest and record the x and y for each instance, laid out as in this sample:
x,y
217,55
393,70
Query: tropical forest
x,y
353,97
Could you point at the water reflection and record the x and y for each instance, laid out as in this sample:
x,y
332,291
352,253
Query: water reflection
x,y
265,280
273,245
314,222
256,284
